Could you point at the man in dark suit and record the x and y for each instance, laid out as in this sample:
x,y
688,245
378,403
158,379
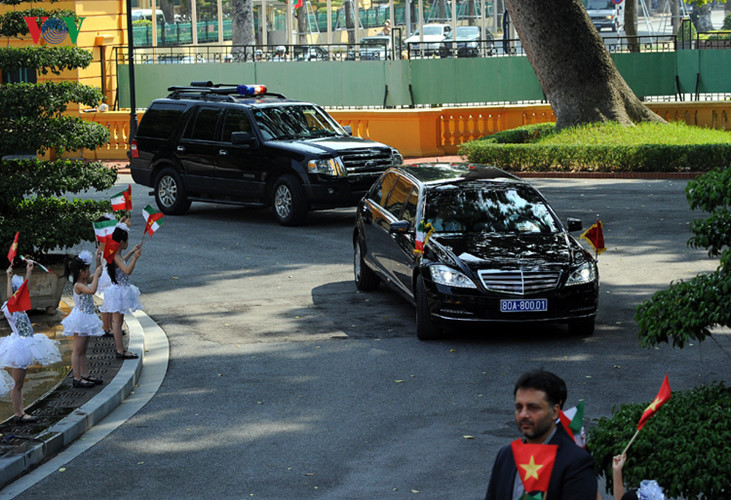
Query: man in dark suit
x,y
538,399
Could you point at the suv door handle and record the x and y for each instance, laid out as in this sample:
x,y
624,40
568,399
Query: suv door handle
x,y
223,152
180,149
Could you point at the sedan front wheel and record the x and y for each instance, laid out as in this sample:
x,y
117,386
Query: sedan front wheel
x,y
426,329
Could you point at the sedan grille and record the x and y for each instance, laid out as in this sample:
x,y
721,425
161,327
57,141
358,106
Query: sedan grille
x,y
366,161
519,282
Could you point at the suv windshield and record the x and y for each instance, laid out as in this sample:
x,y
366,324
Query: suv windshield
x,y
479,207
295,122
599,4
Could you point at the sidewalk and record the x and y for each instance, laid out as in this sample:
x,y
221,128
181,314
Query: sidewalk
x,y
65,413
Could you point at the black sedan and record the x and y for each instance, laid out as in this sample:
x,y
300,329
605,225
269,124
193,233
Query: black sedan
x,y
472,244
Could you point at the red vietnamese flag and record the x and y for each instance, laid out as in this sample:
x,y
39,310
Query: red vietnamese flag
x,y
534,463
299,4
662,396
20,301
110,249
13,248
595,236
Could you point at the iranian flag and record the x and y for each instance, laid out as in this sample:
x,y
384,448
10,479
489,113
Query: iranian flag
x,y
572,421
662,396
13,248
534,463
104,229
153,218
123,200
423,233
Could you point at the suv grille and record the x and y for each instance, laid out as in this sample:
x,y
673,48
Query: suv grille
x,y
368,161
519,282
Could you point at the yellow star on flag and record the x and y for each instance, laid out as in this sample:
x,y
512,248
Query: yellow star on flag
x,y
531,469
653,405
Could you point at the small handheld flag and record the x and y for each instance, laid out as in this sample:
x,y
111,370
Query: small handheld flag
x,y
423,233
36,264
110,250
20,301
572,421
662,397
122,200
153,218
104,229
534,463
13,248
595,236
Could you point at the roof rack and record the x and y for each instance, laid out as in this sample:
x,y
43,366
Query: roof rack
x,y
206,89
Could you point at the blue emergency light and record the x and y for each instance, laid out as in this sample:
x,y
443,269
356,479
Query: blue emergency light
x,y
251,90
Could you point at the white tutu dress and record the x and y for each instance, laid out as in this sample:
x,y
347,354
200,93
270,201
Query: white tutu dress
x,y
122,296
22,347
82,319
104,282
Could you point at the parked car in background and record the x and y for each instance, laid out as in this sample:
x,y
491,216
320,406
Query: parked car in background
x,y
372,48
469,42
240,144
434,35
471,244
606,14
310,53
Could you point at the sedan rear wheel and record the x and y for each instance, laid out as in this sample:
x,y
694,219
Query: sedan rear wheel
x,y
365,278
426,329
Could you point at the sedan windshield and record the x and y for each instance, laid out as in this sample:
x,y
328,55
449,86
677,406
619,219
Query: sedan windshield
x,y
295,122
478,206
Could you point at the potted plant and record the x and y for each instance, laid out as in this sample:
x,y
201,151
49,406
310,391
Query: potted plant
x,y
35,130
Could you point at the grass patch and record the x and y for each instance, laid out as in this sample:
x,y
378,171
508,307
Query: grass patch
x,y
605,147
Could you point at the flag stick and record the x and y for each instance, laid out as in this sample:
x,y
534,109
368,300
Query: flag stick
x,y
631,441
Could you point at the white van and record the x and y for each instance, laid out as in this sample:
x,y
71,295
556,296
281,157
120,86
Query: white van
x,y
606,14
140,14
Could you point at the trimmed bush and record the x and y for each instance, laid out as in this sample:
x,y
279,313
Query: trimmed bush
x,y
685,446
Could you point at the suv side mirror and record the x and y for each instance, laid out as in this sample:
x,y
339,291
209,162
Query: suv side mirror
x,y
244,139
348,129
574,224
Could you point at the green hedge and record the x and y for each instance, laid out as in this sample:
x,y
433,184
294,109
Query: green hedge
x,y
685,446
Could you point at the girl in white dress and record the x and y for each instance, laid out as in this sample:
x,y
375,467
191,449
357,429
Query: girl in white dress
x,y
82,322
23,348
122,297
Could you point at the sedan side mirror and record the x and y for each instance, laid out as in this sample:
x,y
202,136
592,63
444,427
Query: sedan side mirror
x,y
400,227
244,139
574,224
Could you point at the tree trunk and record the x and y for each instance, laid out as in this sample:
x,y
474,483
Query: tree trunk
x,y
350,21
630,25
701,17
242,28
674,15
302,31
471,12
168,9
574,68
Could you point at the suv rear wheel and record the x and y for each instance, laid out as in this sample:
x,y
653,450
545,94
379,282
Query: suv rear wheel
x,y
170,193
288,201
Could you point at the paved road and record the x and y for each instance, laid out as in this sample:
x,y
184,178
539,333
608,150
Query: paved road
x,y
286,383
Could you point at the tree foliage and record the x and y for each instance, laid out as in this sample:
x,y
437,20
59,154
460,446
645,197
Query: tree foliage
x,y
687,310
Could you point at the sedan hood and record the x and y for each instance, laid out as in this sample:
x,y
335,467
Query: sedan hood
x,y
494,251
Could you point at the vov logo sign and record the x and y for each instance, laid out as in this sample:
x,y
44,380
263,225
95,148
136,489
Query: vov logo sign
x,y
54,30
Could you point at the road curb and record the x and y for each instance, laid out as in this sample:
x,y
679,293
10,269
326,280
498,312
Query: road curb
x,y
71,427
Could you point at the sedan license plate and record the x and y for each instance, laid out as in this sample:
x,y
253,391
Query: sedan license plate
x,y
523,305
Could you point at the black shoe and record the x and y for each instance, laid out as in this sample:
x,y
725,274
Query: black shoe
x,y
93,380
83,383
108,333
25,419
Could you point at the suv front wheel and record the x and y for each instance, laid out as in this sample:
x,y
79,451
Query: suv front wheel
x,y
288,201
170,193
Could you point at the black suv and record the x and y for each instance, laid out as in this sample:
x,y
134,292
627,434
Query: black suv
x,y
239,144
472,244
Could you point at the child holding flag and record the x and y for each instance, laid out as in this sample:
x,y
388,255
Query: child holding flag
x,y
82,322
121,297
23,348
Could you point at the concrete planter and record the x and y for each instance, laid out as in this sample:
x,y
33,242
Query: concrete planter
x,y
45,288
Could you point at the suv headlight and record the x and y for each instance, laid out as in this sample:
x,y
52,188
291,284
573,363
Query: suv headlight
x,y
586,273
328,166
447,276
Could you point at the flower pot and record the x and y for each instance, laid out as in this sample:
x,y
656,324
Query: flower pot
x,y
45,288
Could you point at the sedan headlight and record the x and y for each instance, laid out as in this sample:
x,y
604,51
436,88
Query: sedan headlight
x,y
328,166
586,273
447,276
